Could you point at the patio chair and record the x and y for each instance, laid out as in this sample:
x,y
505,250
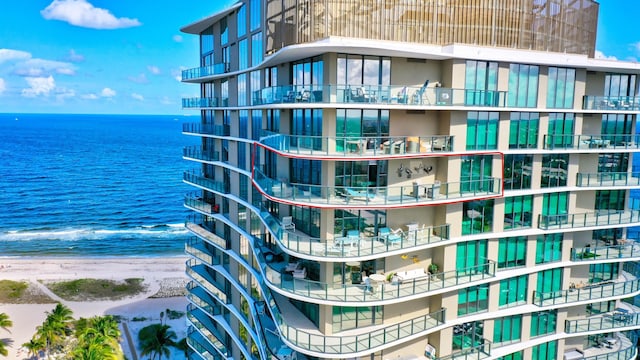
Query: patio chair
x,y
389,236
287,223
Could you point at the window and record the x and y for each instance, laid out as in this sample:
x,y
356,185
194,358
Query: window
x,y
363,70
254,82
513,291
543,322
481,83
517,172
560,131
523,85
307,220
549,281
224,31
549,248
610,199
475,174
243,54
482,130
545,351
473,299
242,21
309,310
554,209
256,49
561,86
347,317
477,217
507,329
523,130
242,89
356,123
242,156
517,212
467,335
307,122
554,170
469,255
513,356
255,14
512,252
603,272
620,85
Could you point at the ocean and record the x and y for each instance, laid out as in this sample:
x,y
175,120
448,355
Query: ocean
x,y
92,185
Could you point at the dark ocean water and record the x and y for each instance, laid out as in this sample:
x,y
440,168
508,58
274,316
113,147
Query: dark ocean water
x,y
92,185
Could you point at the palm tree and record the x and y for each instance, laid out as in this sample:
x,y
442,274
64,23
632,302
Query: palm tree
x,y
156,339
5,324
98,348
34,346
55,327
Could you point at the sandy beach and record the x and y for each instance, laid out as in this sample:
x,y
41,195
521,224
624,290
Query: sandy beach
x,y
162,276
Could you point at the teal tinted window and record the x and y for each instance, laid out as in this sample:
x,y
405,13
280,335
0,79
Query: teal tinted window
x,y
517,171
513,356
469,255
545,351
482,130
610,199
347,318
513,291
555,203
468,335
549,281
477,217
549,248
523,130
481,82
507,329
523,85
555,169
560,131
473,299
561,87
543,322
512,252
475,174
518,212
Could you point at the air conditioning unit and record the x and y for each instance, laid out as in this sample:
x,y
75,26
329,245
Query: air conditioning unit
x,y
444,96
430,351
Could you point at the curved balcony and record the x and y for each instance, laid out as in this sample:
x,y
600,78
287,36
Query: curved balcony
x,y
624,287
200,345
206,328
597,218
199,103
608,103
200,277
205,229
199,180
608,179
592,142
195,247
205,71
304,245
627,250
195,152
626,315
357,147
356,344
375,197
380,95
206,129
418,283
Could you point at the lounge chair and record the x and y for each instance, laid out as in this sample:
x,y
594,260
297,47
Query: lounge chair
x,y
287,223
362,194
389,236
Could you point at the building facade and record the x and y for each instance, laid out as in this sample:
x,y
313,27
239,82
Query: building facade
x,y
409,180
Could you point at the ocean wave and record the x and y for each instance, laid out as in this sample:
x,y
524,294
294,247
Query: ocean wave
x,y
162,230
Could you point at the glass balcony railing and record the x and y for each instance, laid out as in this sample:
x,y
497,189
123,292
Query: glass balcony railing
x,y
360,246
592,292
353,344
624,103
196,342
206,328
597,218
199,275
197,296
603,141
198,179
204,71
195,152
378,94
206,129
371,196
197,103
613,320
608,179
206,229
196,248
358,145
397,286
626,250
480,351
613,346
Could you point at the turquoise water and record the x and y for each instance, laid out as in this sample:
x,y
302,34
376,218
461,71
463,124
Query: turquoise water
x,y
92,185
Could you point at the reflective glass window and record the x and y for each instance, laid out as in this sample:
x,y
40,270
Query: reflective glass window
x,y
512,252
242,21
482,130
523,130
517,171
561,88
513,291
507,329
549,248
523,85
481,83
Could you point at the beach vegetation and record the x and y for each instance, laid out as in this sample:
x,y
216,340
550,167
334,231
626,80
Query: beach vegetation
x,y
157,340
34,346
12,290
5,324
86,289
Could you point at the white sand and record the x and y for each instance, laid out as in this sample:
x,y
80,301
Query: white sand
x,y
26,317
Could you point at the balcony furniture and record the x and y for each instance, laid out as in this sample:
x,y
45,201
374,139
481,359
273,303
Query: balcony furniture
x,y
573,354
439,144
358,194
402,96
303,96
291,267
433,191
398,147
412,228
300,273
411,275
287,223
418,95
356,145
389,236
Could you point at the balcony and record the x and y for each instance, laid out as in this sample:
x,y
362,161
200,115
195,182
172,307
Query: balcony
x,y
626,315
380,95
205,229
200,277
611,346
200,345
197,179
626,250
608,103
592,142
196,153
357,147
205,71
597,218
206,328
608,179
476,352
352,345
626,285
199,103
206,129
195,247
375,197
362,245
283,278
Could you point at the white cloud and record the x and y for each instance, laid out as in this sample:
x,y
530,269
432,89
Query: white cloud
x,y
39,86
10,54
137,97
166,101
84,14
75,57
3,85
600,55
140,79
62,94
177,38
90,96
107,92
41,67
153,69
177,73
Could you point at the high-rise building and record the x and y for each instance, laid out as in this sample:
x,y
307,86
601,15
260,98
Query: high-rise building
x,y
411,179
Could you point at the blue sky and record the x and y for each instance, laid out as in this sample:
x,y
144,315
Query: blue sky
x,y
125,57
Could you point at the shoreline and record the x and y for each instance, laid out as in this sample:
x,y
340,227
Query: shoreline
x,y
157,272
